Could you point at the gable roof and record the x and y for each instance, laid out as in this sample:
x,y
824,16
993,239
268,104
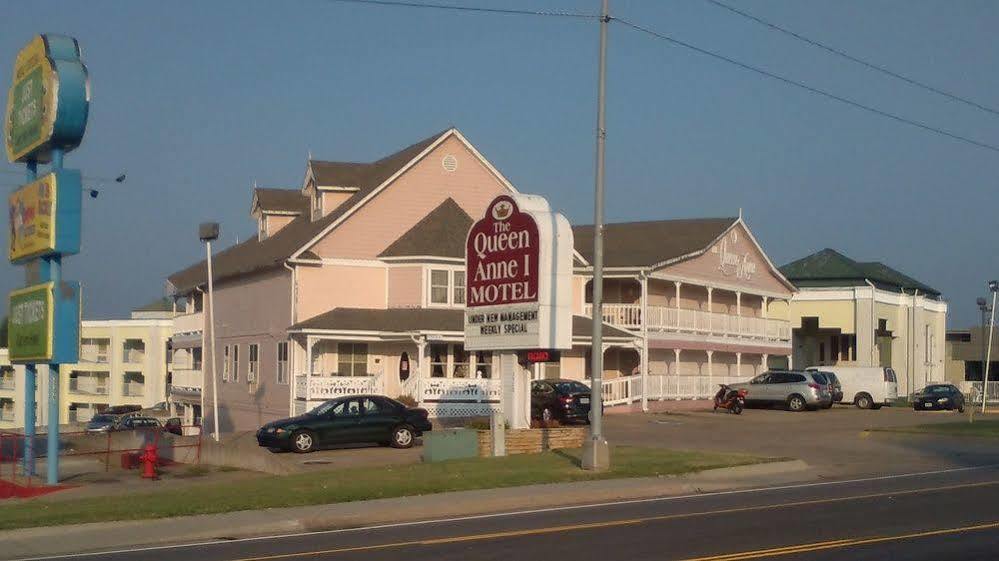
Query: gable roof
x,y
280,200
441,233
829,267
258,255
652,243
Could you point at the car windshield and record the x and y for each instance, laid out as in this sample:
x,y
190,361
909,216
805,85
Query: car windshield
x,y
324,408
936,389
571,387
102,419
832,378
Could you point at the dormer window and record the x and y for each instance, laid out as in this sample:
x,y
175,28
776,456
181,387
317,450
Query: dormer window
x,y
317,205
262,228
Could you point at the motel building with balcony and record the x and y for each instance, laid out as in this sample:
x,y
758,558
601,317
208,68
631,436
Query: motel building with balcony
x,y
355,284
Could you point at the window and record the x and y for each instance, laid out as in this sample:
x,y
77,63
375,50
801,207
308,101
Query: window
x,y
235,363
196,358
484,364
134,384
438,361
352,359
253,363
94,350
438,287
282,362
348,408
460,362
458,280
371,407
133,350
225,364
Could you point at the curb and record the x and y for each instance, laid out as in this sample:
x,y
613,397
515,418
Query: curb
x,y
102,536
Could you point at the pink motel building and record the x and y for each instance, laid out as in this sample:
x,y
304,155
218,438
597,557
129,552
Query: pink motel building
x,y
355,283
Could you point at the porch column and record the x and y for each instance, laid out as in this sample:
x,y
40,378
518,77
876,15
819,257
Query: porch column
x,y
643,350
676,371
422,363
710,374
763,363
764,314
738,312
738,364
677,283
711,324
310,343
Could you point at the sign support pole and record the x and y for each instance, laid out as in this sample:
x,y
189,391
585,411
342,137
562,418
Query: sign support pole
x,y
30,382
988,355
596,454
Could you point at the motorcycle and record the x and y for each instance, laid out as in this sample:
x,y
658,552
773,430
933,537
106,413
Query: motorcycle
x,y
730,399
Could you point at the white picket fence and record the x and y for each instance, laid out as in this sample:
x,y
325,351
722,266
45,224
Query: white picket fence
x,y
973,392
628,389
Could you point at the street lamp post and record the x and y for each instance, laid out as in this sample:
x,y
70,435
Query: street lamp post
x,y
994,288
209,232
984,308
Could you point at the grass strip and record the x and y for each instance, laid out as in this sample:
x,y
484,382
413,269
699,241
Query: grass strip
x,y
358,484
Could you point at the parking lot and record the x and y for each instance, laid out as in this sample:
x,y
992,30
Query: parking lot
x,y
835,442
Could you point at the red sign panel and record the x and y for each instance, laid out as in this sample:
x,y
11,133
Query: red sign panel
x,y
501,255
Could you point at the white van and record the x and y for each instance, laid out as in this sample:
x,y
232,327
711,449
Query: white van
x,y
865,386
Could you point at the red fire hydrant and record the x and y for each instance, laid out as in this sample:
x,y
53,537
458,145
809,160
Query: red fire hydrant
x,y
149,458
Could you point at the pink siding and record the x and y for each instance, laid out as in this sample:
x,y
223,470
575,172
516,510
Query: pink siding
x,y
737,245
277,221
320,289
252,310
405,287
411,197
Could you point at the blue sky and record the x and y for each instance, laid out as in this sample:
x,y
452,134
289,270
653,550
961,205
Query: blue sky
x,y
197,100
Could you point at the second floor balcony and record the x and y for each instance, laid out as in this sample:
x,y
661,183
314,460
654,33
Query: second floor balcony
x,y
88,384
663,319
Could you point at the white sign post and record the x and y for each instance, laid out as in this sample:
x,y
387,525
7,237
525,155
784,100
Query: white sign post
x,y
518,279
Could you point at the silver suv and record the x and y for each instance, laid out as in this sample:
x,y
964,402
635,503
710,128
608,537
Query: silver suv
x,y
795,389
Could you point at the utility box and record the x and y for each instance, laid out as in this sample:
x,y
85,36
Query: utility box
x,y
450,444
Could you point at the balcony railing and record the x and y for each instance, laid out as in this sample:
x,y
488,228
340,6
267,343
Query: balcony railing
x,y
133,389
7,383
91,386
7,415
94,354
189,323
188,378
672,320
329,387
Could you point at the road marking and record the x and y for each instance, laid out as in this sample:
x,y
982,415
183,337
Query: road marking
x,y
820,546
509,514
614,523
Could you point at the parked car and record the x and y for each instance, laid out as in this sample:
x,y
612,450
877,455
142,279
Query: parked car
x,y
137,423
174,425
560,400
102,422
119,410
794,389
864,386
355,419
938,396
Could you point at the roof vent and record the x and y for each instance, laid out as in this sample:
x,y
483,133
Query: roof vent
x,y
449,163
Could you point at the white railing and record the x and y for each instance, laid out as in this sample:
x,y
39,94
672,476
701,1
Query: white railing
x,y
673,320
89,385
628,389
133,356
411,387
329,387
90,353
133,389
7,383
188,377
973,392
189,323
7,415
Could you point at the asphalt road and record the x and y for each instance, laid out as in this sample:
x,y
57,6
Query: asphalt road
x,y
947,515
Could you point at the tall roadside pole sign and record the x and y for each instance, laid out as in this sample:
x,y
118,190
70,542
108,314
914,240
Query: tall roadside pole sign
x,y
47,108
518,278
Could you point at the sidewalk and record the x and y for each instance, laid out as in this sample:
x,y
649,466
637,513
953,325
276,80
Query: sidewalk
x,y
60,540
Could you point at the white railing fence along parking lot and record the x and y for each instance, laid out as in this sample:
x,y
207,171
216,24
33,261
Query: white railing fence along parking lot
x,y
628,389
673,320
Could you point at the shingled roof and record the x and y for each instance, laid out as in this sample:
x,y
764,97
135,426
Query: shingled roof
x,y
281,200
831,268
441,233
402,320
258,255
647,244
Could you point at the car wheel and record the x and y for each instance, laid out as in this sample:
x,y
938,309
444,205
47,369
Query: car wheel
x,y
402,437
864,401
303,442
546,415
960,408
796,403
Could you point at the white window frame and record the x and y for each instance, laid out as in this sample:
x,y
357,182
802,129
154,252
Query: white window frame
x,y
353,362
252,363
282,368
226,367
452,271
235,363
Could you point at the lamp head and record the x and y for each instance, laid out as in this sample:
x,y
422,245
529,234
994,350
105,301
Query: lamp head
x,y
208,231
994,285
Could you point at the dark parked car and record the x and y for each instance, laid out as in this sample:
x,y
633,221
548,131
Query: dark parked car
x,y
561,400
347,420
102,422
938,396
137,423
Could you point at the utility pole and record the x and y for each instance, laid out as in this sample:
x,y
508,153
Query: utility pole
x,y
209,232
994,287
596,453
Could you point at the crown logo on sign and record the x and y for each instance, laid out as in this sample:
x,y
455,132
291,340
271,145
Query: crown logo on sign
x,y
502,210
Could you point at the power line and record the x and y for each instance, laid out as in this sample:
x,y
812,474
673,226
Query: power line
x,y
808,88
89,178
507,11
852,58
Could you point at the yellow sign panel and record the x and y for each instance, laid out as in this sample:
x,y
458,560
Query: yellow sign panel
x,y
31,101
32,218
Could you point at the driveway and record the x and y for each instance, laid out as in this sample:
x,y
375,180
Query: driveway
x,y
833,441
